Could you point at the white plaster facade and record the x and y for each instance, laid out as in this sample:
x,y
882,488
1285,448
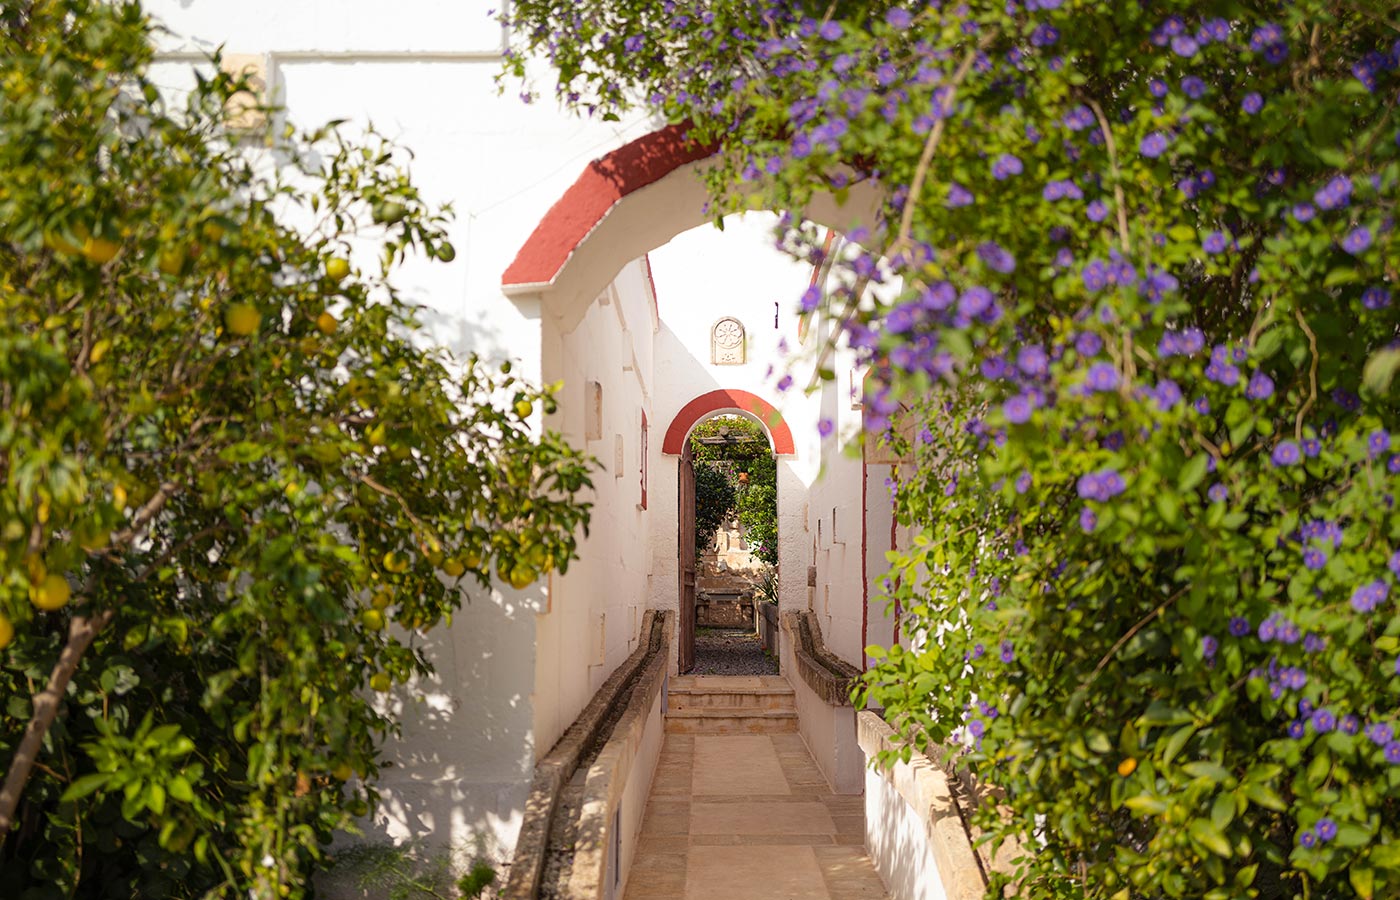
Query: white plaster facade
x,y
518,666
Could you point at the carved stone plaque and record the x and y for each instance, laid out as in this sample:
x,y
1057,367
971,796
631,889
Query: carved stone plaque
x,y
727,344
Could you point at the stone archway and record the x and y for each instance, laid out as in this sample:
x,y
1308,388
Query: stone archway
x,y
624,205
676,443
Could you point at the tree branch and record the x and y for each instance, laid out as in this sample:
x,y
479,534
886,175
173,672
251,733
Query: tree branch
x,y
81,631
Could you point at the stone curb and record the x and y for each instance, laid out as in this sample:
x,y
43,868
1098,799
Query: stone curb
x,y
825,673
559,765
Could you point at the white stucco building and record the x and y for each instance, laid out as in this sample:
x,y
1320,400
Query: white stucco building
x,y
584,262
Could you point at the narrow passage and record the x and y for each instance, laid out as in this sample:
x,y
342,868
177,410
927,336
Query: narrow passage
x,y
749,817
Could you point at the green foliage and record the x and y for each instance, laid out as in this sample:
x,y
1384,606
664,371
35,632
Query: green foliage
x,y
228,447
1140,301
754,497
411,872
714,503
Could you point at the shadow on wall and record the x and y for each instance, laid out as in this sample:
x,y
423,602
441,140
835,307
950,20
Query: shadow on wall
x,y
456,781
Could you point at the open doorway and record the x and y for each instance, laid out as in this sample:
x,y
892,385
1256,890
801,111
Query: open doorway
x,y
728,549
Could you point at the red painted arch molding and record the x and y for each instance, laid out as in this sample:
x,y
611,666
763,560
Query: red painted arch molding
x,y
720,401
603,183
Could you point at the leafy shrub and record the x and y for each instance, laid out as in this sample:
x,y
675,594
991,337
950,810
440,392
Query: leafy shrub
x,y
227,468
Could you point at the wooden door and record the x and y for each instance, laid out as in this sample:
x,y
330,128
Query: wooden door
x,y
685,536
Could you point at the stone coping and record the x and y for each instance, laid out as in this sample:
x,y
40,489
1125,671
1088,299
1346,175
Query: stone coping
x,y
925,787
823,671
607,780
559,765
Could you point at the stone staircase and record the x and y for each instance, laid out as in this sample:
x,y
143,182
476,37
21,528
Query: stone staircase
x,y
730,704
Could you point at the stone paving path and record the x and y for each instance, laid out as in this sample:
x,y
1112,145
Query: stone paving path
x,y
731,651
748,817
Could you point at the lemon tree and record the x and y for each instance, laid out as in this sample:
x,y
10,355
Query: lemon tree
x,y
234,494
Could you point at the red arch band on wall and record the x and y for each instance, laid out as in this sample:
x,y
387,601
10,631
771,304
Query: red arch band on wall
x,y
604,182
721,401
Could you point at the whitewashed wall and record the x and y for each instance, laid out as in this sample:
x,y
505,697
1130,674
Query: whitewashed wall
x,y
422,71
595,610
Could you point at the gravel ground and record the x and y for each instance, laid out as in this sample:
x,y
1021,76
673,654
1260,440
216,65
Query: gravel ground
x,y
730,651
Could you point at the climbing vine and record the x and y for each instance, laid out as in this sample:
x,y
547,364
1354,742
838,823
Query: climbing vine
x,y
1139,321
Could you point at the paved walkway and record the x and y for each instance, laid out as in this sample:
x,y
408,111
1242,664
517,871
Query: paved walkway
x,y
731,651
748,817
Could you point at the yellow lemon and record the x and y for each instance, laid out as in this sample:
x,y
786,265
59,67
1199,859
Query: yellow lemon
x,y
342,772
171,261
523,408
454,568
395,563
50,594
372,619
379,681
1127,767
521,577
99,250
337,268
327,323
7,631
99,350
473,560
119,497
375,435
381,599
242,319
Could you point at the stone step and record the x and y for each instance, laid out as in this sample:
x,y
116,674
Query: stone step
x,y
731,721
761,700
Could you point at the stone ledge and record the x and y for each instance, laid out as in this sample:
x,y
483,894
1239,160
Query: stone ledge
x,y
562,761
823,671
925,787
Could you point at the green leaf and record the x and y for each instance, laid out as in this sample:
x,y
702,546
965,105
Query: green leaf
x,y
1213,772
1193,472
1204,832
1262,795
85,785
1363,880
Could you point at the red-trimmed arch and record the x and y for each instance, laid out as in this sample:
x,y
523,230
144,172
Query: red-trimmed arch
x,y
604,183
728,401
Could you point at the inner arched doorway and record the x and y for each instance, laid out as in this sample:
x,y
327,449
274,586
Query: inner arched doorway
x,y
713,404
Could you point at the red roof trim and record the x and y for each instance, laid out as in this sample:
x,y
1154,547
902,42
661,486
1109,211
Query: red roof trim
x,y
719,401
603,183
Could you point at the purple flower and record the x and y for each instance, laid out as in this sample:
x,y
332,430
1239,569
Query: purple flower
x,y
825,427
1285,454
977,728
1392,753
1097,211
1167,394
996,257
1375,297
1079,118
1101,485
1368,596
633,43
1103,376
1088,521
899,18
1349,724
1326,830
1005,166
1193,87
1311,447
1296,730
1314,559
1252,103
1209,646
1062,189
1260,387
1154,145
1308,839
1023,482
1380,733
1239,626
1323,721
1357,240
1008,652
831,31
1394,564
1218,493
1018,409
1032,360
1334,195
958,196
1157,88
1215,242
1377,442
1185,45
